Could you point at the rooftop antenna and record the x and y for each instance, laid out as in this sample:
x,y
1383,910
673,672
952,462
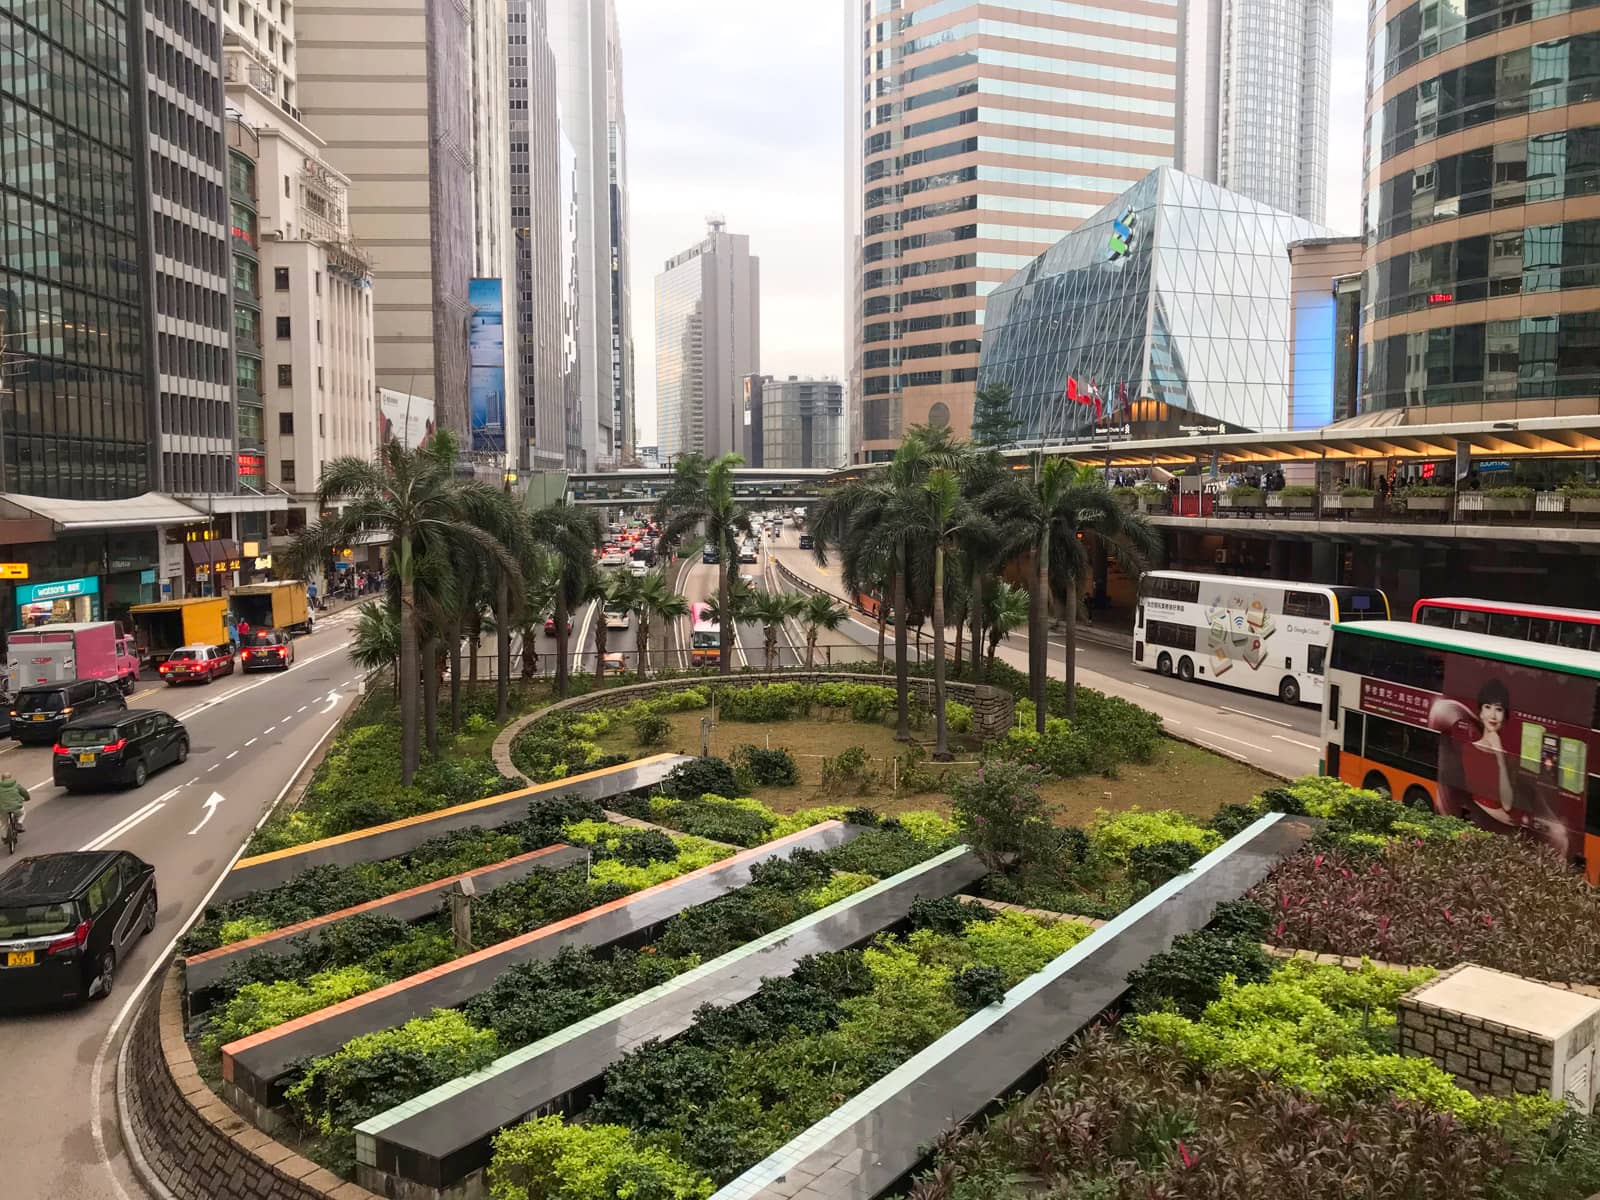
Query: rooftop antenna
x,y
716,223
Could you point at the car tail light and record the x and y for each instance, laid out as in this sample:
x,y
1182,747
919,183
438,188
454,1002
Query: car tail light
x,y
164,668
73,941
113,747
58,748
282,652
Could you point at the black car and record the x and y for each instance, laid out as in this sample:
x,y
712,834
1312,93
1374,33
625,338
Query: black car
x,y
266,650
120,747
805,541
38,713
67,920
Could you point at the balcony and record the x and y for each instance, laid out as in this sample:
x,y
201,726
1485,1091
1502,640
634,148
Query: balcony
x,y
246,293
247,341
243,245
245,394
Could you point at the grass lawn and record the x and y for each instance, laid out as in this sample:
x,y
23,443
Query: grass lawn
x,y
1182,777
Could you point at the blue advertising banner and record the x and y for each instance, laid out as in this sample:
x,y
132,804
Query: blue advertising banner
x,y
486,358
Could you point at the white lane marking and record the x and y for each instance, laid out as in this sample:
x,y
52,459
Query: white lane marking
x,y
251,742
302,708
290,717
132,819
1254,717
268,730
97,1075
333,700
212,768
1303,745
233,754
211,807
1224,752
1145,686
212,703
1226,738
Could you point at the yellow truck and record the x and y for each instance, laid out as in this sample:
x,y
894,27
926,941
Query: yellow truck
x,y
280,605
160,628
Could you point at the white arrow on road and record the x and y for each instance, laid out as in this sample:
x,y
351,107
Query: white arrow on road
x,y
333,701
211,806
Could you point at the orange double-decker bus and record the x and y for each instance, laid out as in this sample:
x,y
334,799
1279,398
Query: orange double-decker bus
x,y
1498,731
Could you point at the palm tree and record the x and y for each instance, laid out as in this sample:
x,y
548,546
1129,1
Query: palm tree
x,y
1054,508
1008,609
415,500
771,610
570,536
982,475
375,642
819,612
653,599
722,518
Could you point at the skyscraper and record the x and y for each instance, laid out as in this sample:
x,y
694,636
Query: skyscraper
x,y
708,339
1255,89
588,53
985,131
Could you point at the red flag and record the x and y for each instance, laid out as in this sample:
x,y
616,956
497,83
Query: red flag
x,y
1072,390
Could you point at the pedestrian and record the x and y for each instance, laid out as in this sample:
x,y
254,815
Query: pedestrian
x,y
12,798
233,634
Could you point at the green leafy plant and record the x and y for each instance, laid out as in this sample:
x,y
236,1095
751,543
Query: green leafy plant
x,y
260,1006
767,766
1116,835
1154,863
1001,813
1239,492
548,1159
1353,491
1299,491
699,777
1189,976
1509,492
1580,488
849,771
1436,491
651,729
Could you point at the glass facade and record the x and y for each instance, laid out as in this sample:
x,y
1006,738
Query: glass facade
x,y
249,411
74,403
1176,292
1432,26
1530,358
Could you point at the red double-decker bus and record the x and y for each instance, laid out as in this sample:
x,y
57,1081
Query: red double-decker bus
x,y
1573,628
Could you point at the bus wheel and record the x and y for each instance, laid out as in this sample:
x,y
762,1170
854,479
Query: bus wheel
x,y
1289,690
1186,669
1164,664
1375,782
1418,799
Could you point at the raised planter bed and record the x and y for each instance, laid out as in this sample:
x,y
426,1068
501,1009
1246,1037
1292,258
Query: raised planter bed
x,y
1428,504
1294,503
253,1066
203,971
875,1139
1583,504
399,837
432,1144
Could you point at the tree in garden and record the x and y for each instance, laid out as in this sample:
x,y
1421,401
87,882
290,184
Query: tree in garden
x,y
737,607
570,535
1054,508
375,642
712,509
652,600
1007,612
1001,814
820,611
415,500
982,545
602,590
994,421
770,610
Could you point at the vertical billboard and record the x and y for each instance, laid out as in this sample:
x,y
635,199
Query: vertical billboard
x,y
486,360
404,418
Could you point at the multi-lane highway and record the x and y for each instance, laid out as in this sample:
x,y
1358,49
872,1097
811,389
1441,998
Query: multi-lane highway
x,y
249,735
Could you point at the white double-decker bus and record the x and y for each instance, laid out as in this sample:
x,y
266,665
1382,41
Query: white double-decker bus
x,y
1259,635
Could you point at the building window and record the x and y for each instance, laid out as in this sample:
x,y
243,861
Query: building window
x,y
286,471
316,282
280,279
285,375
319,378
286,424
319,331
283,327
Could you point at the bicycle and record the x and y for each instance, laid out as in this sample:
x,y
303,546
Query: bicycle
x,y
12,833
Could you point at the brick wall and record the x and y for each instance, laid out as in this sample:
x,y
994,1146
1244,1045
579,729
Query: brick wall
x,y
993,708
1486,1057
190,1142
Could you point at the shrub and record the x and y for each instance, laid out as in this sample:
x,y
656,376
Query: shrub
x,y
1354,490
1232,819
737,822
763,702
978,987
867,703
1300,491
1001,814
848,771
691,780
1240,918
638,847
550,815
958,717
547,1159
1509,493
767,767
1106,733
242,929
1189,976
651,729
946,915
1115,835
1154,863
687,700
261,1006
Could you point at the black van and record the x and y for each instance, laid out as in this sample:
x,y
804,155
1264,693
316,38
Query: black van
x,y
120,747
67,920
39,712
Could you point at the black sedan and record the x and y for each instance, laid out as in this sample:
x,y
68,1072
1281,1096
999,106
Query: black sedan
x,y
122,748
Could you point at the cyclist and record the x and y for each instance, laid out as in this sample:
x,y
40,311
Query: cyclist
x,y
12,797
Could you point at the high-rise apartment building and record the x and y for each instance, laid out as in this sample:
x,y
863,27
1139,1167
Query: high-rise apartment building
x,y
588,53
536,213
206,395
794,423
985,132
708,339
1255,89
1482,227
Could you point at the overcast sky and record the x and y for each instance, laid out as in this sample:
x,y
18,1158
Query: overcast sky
x,y
735,107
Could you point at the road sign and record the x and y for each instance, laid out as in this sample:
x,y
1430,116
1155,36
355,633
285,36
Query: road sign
x,y
13,570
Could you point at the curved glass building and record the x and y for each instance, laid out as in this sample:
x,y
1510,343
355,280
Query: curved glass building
x,y
1174,298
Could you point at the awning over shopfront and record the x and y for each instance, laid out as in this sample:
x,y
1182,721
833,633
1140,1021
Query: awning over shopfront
x,y
78,516
223,554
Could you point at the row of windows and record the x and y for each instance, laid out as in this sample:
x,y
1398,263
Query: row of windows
x,y
1430,27
1529,79
189,359
195,417
182,242
190,302
1574,635
92,30
189,23
1170,634
54,163
893,166
884,331
86,91
895,247
52,398
186,188
50,321
197,474
1549,166
937,208
80,468
879,385
1530,358
1544,258
62,250
877,359
876,306
889,193
1042,35
1050,8
171,122
188,76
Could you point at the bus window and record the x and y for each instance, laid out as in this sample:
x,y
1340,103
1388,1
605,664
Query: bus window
x,y
1508,625
1316,660
1574,635
1361,604
1306,604
1471,621
1439,618
1402,746
1354,726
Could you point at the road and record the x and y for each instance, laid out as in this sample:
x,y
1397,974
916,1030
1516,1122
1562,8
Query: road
x,y
249,737
1263,732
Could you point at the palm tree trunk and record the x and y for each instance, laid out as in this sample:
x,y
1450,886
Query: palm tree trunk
x,y
430,694
961,629
561,643
1039,631
602,643
474,644
642,641
409,674
725,631
977,621
811,646
502,651
771,634
455,678
941,737
1070,676
882,622
902,673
